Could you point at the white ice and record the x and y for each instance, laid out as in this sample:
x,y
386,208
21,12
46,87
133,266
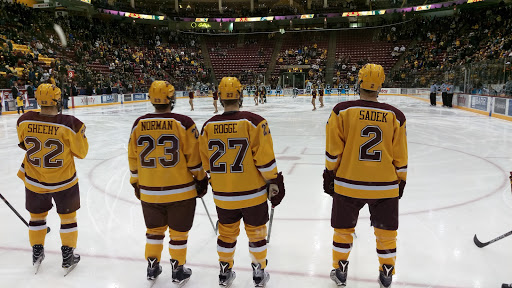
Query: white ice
x,y
457,186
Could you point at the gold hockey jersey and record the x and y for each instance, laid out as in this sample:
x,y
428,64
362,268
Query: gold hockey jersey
x,y
51,143
366,146
163,155
237,151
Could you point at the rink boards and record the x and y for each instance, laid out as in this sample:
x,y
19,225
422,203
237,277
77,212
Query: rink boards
x,y
486,105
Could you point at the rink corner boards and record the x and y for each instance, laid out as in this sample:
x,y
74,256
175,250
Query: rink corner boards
x,y
490,106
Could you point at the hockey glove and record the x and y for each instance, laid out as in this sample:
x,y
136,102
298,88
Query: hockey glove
x,y
202,187
275,189
22,146
329,182
401,187
137,190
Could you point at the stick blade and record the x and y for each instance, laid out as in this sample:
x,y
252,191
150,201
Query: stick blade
x,y
478,243
48,230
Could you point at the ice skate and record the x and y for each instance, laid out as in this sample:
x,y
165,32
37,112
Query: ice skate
x,y
226,275
69,259
386,276
505,285
339,275
154,268
37,256
259,276
180,274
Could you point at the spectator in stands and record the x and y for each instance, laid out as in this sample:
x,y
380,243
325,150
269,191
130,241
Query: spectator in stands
x,y
14,91
30,90
74,90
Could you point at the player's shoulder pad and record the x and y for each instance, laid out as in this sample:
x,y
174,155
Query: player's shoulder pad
x,y
400,116
72,122
185,121
344,106
254,118
29,115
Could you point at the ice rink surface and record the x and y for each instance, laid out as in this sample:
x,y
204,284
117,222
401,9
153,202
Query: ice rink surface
x,y
457,186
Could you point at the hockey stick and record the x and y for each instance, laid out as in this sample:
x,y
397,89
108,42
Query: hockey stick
x,y
481,245
270,224
209,217
18,214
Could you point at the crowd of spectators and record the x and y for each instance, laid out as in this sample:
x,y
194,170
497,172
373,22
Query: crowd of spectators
x,y
346,69
104,55
479,40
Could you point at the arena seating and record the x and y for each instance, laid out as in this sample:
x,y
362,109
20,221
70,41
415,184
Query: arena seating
x,y
293,43
355,48
231,58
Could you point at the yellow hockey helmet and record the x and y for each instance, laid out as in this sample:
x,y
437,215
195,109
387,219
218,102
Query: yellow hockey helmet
x,y
48,95
371,77
161,92
229,88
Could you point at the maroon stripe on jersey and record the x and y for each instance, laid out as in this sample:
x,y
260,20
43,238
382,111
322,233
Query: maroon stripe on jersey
x,y
387,251
167,187
370,104
68,226
255,119
22,165
134,171
258,243
330,156
178,242
403,167
196,167
37,223
240,193
155,237
342,245
267,165
51,184
226,244
186,121
366,183
66,120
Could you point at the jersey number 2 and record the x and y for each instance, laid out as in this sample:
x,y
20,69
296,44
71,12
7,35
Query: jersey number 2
x,y
237,166
364,150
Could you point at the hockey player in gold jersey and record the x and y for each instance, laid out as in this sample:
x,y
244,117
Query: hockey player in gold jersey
x,y
167,175
366,163
237,151
51,140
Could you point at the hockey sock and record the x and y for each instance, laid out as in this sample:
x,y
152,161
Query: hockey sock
x,y
155,242
68,229
178,246
226,242
341,245
386,246
257,243
37,228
